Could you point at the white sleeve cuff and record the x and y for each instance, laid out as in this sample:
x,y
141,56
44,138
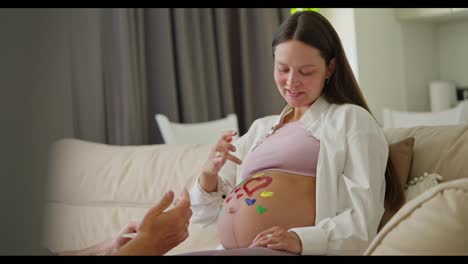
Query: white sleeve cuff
x,y
202,196
314,240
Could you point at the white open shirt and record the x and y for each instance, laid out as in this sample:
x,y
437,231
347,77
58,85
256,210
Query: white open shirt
x,y
350,178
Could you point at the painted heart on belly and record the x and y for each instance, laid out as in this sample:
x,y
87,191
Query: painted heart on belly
x,y
250,201
255,184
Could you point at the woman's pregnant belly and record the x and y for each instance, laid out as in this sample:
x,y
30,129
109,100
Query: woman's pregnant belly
x,y
268,199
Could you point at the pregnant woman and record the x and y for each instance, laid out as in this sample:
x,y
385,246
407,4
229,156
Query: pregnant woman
x,y
310,180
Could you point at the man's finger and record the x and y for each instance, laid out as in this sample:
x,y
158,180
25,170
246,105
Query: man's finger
x,y
185,195
183,200
132,226
163,204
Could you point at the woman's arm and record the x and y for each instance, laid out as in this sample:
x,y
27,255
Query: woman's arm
x,y
206,205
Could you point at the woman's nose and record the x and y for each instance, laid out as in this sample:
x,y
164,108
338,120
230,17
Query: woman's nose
x,y
292,80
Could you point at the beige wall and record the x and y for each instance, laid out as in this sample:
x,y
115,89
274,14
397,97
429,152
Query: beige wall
x,y
397,60
420,63
342,20
452,41
380,59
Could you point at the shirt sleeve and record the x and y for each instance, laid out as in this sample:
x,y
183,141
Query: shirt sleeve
x,y
206,206
361,193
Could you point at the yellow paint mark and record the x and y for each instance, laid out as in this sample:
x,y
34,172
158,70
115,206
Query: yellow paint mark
x,y
258,175
266,194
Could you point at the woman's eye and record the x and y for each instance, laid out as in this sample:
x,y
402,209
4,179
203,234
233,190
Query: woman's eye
x,y
306,73
283,70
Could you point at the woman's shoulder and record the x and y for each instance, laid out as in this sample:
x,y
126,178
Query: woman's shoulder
x,y
352,111
355,118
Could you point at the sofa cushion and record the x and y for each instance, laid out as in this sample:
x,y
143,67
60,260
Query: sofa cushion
x,y
434,223
400,155
437,149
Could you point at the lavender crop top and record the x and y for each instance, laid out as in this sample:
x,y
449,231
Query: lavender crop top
x,y
290,148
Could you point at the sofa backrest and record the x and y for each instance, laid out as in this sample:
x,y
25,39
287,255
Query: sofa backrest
x,y
95,189
437,149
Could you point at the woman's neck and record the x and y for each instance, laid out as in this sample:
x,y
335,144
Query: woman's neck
x,y
295,115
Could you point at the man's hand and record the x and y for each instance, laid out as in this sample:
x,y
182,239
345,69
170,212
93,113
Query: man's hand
x,y
161,231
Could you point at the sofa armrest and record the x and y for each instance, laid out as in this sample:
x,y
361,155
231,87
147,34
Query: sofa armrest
x,y
434,223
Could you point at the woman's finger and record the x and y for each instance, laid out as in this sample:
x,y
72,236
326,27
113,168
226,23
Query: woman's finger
x,y
264,241
234,159
266,232
225,147
225,135
278,246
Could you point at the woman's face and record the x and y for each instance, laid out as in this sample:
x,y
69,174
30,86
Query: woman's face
x,y
300,72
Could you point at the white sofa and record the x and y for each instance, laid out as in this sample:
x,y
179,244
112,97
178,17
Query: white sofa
x,y
95,189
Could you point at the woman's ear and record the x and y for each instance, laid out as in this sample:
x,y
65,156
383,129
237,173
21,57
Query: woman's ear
x,y
331,68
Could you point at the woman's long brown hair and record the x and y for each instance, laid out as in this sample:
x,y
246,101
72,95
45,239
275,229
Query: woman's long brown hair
x,y
313,29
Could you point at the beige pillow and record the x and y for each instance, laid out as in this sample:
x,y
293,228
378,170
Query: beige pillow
x,y
434,223
401,155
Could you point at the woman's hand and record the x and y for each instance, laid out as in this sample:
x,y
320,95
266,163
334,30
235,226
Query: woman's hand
x,y
278,238
218,156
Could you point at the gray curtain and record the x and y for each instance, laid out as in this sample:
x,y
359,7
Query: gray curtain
x,y
203,64
125,88
108,80
192,65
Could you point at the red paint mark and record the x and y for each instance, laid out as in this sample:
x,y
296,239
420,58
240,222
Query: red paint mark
x,y
237,189
239,195
257,183
228,199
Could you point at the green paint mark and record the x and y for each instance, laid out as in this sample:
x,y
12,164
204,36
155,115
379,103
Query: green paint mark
x,y
261,210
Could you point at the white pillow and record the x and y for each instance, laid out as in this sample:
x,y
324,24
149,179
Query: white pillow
x,y
421,184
